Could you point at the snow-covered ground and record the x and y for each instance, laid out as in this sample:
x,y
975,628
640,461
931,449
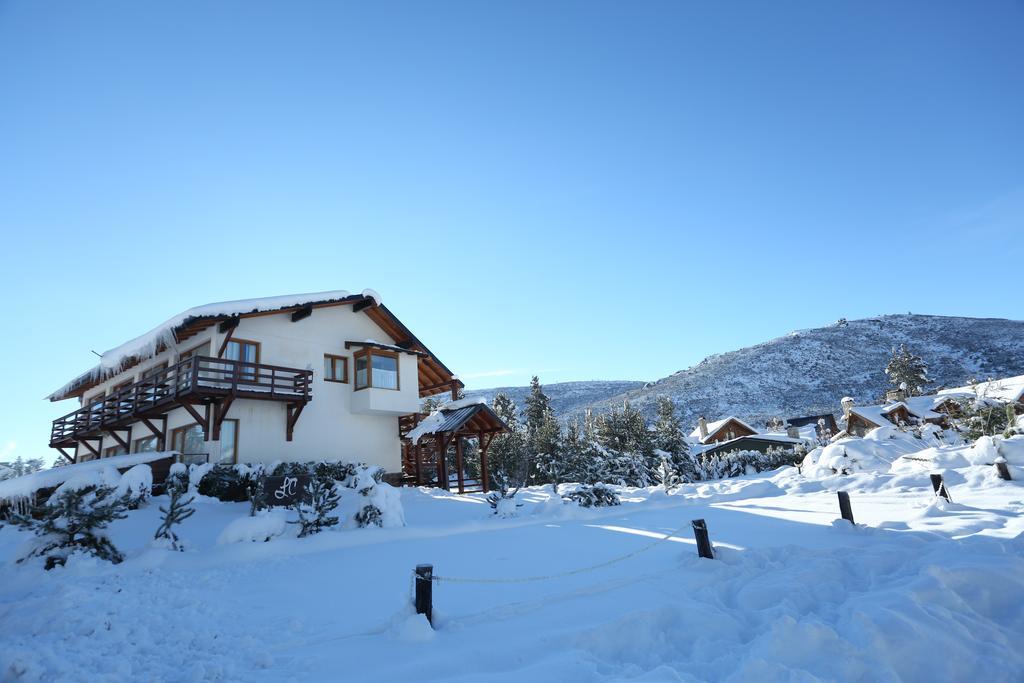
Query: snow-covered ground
x,y
920,591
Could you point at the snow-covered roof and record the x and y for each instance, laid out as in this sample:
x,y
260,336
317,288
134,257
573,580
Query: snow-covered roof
x,y
446,418
162,336
717,425
876,415
28,484
1008,389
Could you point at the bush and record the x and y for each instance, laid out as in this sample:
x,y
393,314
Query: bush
x,y
370,515
596,496
738,463
314,516
74,519
225,483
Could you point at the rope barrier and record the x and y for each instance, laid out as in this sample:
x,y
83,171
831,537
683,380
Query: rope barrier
x,y
558,575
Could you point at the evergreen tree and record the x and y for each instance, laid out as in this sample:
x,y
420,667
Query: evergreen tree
x,y
176,512
628,447
508,456
314,516
74,519
668,428
543,437
907,371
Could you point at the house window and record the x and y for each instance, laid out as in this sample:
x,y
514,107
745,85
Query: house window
x,y
228,442
118,387
111,451
201,350
245,351
188,441
147,444
376,368
335,368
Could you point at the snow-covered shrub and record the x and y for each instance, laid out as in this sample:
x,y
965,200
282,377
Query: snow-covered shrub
x,y
177,478
265,526
176,512
315,516
981,417
74,518
230,483
369,515
596,496
383,504
503,499
737,463
135,486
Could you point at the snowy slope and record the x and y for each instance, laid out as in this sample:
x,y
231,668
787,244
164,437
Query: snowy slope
x,y
566,397
808,371
922,591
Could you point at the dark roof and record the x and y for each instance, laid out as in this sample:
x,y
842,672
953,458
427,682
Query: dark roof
x,y
743,443
478,417
830,420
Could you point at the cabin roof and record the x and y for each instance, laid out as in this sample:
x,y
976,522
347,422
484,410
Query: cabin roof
x,y
473,413
435,377
717,425
1008,389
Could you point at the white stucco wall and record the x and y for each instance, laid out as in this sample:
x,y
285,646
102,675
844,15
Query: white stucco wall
x,y
328,429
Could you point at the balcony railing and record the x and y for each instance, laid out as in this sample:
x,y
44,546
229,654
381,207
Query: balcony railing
x,y
188,381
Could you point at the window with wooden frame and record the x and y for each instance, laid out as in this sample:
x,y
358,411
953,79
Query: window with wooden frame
x,y
377,369
201,350
246,351
122,385
188,440
153,371
111,451
147,444
228,442
335,368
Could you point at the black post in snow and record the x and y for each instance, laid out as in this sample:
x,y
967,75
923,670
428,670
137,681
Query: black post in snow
x,y
844,507
940,487
700,532
1003,470
425,591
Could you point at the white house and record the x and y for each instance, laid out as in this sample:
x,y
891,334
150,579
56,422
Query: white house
x,y
322,376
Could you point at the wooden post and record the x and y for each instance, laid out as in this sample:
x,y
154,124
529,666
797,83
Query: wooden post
x,y
1003,470
940,487
844,507
700,532
425,591
483,461
458,463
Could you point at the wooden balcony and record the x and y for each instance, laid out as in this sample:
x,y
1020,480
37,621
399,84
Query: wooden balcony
x,y
209,383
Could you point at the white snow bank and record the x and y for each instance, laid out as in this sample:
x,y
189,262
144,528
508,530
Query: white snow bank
x,y
876,452
265,525
30,483
147,345
136,482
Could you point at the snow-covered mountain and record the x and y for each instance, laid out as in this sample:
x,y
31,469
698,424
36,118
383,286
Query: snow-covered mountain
x,y
808,371
567,398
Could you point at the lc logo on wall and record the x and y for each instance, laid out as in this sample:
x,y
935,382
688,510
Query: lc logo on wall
x,y
286,490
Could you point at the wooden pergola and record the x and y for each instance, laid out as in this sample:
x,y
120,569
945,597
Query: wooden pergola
x,y
424,459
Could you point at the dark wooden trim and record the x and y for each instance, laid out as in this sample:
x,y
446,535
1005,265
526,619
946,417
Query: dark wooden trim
x,y
294,410
368,302
94,450
199,419
69,458
229,324
220,411
125,443
390,348
303,312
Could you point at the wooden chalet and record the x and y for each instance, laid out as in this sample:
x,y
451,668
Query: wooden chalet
x,y
721,430
229,383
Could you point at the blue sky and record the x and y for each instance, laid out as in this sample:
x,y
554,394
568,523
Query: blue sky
x,y
583,190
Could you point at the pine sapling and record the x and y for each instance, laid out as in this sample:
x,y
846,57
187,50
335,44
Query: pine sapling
x,y
74,520
314,516
176,512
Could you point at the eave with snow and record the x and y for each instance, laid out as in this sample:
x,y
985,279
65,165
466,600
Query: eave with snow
x,y
228,382
725,429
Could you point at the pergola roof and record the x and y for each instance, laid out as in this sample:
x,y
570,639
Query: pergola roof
x,y
470,419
